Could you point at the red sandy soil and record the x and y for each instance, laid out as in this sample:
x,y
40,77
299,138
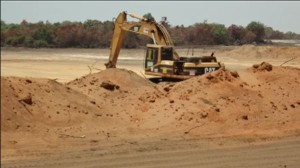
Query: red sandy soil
x,y
102,111
120,103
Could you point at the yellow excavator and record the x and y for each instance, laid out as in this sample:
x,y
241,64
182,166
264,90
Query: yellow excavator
x,y
161,58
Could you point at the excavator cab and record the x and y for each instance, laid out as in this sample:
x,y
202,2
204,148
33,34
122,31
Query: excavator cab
x,y
156,53
151,57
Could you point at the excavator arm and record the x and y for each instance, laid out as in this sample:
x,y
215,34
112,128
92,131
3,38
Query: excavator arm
x,y
156,31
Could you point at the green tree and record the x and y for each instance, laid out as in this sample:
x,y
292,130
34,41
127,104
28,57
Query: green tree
x,y
43,33
92,25
14,41
40,43
28,41
3,25
149,17
219,33
268,32
258,29
95,33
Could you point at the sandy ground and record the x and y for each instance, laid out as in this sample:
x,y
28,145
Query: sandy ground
x,y
68,64
55,113
164,153
63,64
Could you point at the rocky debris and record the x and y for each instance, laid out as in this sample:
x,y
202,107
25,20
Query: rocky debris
x,y
222,75
28,81
245,117
264,66
108,85
27,99
234,74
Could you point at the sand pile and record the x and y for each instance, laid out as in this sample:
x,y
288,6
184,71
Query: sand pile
x,y
109,80
264,51
119,103
254,103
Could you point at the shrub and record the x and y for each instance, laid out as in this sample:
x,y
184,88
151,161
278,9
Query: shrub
x,y
28,41
40,43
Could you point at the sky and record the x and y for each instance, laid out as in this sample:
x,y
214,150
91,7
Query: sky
x,y
280,15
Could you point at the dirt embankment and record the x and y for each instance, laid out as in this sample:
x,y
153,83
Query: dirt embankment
x,y
263,100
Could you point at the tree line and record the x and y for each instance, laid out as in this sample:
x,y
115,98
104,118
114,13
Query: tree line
x,y
98,34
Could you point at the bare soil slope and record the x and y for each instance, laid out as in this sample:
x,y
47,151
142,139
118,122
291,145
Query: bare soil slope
x,y
260,101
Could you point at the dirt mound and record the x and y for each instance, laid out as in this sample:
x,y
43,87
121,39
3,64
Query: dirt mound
x,y
222,75
30,104
251,103
202,83
264,51
109,80
264,66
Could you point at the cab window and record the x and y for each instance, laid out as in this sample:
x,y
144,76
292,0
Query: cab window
x,y
167,53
